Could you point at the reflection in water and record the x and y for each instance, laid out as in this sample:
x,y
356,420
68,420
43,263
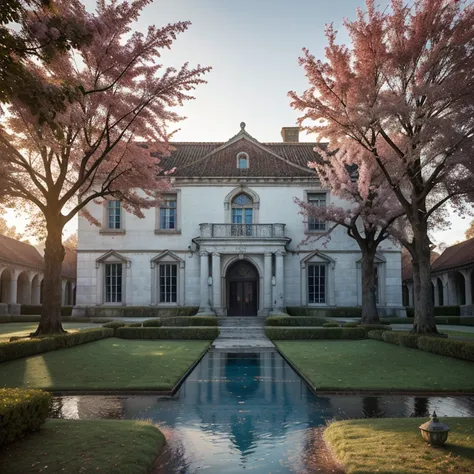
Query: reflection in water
x,y
250,411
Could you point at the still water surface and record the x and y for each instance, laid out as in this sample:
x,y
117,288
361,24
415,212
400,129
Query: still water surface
x,y
240,412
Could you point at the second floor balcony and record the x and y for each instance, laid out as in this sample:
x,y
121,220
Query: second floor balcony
x,y
249,231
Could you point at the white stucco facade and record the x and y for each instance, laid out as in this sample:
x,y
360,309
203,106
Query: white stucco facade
x,y
206,245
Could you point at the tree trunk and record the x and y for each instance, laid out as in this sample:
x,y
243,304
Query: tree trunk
x,y
50,322
424,309
369,300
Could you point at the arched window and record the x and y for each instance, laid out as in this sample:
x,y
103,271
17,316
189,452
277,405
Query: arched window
x,y
242,215
242,160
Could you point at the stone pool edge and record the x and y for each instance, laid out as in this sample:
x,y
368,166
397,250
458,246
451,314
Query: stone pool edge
x,y
163,393
315,391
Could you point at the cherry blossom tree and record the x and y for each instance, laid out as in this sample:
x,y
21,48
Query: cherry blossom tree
x,y
403,91
373,209
115,95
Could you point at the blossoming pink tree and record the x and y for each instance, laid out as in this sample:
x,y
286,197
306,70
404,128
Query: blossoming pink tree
x,y
403,92
85,148
373,208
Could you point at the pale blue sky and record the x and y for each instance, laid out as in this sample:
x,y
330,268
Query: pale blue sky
x,y
253,47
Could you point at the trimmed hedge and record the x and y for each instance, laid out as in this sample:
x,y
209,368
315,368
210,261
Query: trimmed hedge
x,y
64,319
376,334
338,312
30,347
181,321
294,321
140,311
441,320
331,325
152,323
438,311
200,333
21,411
281,334
405,339
447,347
34,309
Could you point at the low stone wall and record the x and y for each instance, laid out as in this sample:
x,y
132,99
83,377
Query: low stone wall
x,y
344,311
467,310
133,311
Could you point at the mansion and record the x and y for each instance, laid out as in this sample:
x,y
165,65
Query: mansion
x,y
229,238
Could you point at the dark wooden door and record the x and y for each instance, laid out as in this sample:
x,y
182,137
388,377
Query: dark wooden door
x,y
242,298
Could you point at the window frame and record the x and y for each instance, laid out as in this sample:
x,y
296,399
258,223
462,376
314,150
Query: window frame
x,y
168,285
242,155
169,197
106,218
312,221
320,265
121,276
167,257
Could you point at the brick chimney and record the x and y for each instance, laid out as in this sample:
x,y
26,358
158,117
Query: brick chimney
x,y
290,134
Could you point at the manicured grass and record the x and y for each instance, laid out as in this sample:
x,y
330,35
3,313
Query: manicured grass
x,y
8,330
74,446
108,364
375,365
395,446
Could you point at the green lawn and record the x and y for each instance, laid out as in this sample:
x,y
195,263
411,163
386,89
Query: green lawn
x,y
8,330
394,446
375,365
73,446
108,364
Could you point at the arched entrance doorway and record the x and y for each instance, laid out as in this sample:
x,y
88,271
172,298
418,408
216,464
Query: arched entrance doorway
x,y
242,289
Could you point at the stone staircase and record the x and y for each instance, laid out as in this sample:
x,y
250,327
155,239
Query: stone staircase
x,y
241,332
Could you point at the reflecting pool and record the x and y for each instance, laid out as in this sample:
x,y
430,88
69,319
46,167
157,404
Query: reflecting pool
x,y
250,412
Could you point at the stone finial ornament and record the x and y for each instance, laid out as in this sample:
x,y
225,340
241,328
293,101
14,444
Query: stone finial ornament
x,y
434,432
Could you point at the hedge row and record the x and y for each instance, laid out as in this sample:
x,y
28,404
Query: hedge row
x,y
294,321
30,347
29,309
280,333
181,321
64,319
21,411
437,345
201,333
438,311
339,312
454,320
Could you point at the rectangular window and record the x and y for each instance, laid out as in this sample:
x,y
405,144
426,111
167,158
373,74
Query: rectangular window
x,y
168,214
319,200
113,282
168,281
242,162
114,215
317,283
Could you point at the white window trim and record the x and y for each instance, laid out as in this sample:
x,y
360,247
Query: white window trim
x,y
307,192
105,220
111,257
318,258
167,257
243,154
234,193
177,195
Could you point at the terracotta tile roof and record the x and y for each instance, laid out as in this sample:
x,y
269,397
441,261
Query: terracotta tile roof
x,y
407,269
219,159
20,252
455,256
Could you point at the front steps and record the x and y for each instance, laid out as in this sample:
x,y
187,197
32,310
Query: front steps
x,y
241,332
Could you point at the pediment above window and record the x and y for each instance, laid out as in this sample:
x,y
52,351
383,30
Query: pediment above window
x,y
112,257
379,258
317,257
166,257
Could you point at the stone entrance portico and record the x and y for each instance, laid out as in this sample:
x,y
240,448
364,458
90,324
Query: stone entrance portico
x,y
263,246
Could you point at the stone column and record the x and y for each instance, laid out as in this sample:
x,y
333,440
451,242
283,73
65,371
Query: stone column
x,y
63,292
14,308
444,281
434,281
410,294
278,297
267,282
35,291
204,306
467,285
216,282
